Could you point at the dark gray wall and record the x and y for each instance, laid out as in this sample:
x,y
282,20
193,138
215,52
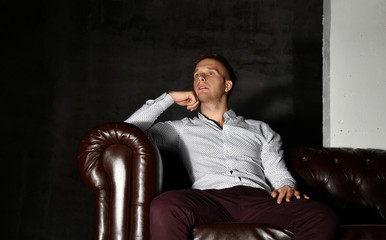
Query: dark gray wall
x,y
69,65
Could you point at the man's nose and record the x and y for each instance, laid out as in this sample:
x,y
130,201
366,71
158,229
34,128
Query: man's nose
x,y
202,77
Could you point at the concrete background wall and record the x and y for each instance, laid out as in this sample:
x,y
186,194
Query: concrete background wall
x,y
355,83
70,65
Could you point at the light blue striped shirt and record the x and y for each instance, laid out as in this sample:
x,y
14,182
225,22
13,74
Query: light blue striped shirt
x,y
242,152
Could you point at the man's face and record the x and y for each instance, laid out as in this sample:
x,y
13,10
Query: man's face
x,y
211,80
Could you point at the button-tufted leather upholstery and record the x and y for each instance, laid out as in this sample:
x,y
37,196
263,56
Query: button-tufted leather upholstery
x,y
351,181
123,167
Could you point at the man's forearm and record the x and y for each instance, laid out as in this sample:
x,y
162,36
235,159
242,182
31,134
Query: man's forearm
x,y
145,117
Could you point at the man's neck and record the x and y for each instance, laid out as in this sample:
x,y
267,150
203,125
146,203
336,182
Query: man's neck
x,y
215,112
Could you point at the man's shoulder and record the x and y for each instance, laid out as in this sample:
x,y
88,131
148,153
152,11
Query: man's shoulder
x,y
181,122
256,123
259,126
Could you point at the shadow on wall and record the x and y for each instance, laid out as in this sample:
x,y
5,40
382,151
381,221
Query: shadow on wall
x,y
293,109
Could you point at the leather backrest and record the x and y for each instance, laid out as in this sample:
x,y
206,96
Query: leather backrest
x,y
350,181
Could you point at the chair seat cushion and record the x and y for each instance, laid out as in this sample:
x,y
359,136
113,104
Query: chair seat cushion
x,y
357,231
236,231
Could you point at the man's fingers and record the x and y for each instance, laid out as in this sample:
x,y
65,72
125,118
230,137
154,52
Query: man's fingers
x,y
193,106
184,98
281,196
297,194
274,194
287,193
290,193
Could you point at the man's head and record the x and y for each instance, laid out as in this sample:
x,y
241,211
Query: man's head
x,y
219,63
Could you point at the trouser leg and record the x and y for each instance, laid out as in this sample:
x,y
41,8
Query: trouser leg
x,y
174,214
307,219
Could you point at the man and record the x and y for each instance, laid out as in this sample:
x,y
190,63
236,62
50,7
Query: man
x,y
236,165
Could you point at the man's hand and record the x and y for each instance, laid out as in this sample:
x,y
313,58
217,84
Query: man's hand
x,y
186,98
286,192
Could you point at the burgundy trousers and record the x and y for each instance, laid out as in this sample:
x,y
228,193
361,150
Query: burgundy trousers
x,y
174,214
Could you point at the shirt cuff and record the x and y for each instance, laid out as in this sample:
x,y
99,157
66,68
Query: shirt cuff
x,y
286,181
165,101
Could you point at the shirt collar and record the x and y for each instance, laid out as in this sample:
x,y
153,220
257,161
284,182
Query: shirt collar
x,y
230,114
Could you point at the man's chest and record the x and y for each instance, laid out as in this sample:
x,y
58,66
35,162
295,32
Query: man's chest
x,y
211,140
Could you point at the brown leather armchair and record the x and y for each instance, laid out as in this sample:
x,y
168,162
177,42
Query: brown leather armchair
x,y
124,168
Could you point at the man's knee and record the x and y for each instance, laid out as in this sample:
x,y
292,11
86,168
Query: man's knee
x,y
324,215
168,204
162,203
168,218
330,216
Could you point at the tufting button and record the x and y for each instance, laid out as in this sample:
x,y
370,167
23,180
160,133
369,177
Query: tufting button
x,y
368,162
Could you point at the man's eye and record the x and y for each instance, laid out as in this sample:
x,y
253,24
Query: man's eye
x,y
197,75
211,73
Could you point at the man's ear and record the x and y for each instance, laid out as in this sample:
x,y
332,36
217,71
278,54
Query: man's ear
x,y
228,85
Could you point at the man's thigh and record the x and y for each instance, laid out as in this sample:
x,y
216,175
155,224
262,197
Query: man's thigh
x,y
260,207
192,205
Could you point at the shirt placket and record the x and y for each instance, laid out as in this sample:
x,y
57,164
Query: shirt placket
x,y
229,153
228,150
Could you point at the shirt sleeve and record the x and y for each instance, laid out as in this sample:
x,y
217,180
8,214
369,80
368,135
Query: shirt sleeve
x,y
163,134
274,166
145,117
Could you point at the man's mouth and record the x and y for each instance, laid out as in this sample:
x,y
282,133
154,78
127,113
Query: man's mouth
x,y
202,87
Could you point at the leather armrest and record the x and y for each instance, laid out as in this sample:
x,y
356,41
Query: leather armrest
x,y
123,166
